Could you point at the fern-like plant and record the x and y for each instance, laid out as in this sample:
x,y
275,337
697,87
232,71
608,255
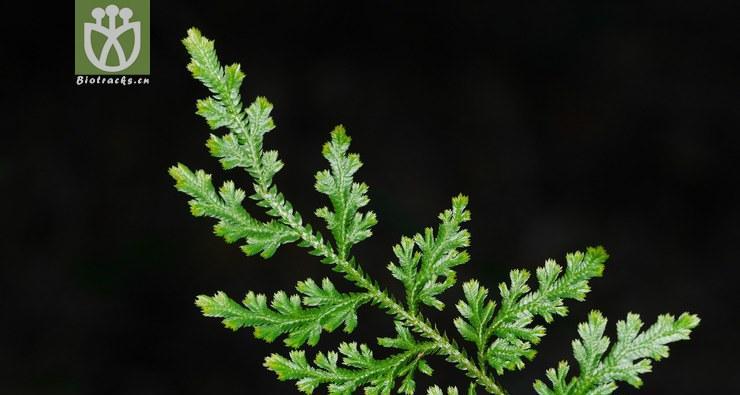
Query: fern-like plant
x,y
503,333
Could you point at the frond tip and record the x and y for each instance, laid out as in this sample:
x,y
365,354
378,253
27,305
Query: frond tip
x,y
627,359
242,145
477,312
425,262
347,224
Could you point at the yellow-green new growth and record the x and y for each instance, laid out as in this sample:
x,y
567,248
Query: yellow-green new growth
x,y
502,333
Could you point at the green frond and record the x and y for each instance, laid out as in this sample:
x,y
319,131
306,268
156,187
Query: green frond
x,y
244,149
428,271
627,359
512,323
234,222
359,369
224,83
242,146
504,333
346,223
476,312
302,319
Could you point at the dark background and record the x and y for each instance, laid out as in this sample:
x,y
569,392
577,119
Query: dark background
x,y
567,124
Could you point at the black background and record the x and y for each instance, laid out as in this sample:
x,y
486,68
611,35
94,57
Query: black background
x,y
568,125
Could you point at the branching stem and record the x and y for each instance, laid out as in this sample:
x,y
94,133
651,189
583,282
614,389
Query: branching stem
x,y
452,353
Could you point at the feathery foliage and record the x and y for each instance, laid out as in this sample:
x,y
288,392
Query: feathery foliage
x,y
347,225
322,308
627,359
234,223
512,323
358,369
503,332
420,270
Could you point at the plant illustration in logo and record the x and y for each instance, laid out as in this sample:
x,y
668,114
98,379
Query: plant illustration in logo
x,y
112,33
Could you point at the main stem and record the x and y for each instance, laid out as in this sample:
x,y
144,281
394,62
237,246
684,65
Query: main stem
x,y
354,274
